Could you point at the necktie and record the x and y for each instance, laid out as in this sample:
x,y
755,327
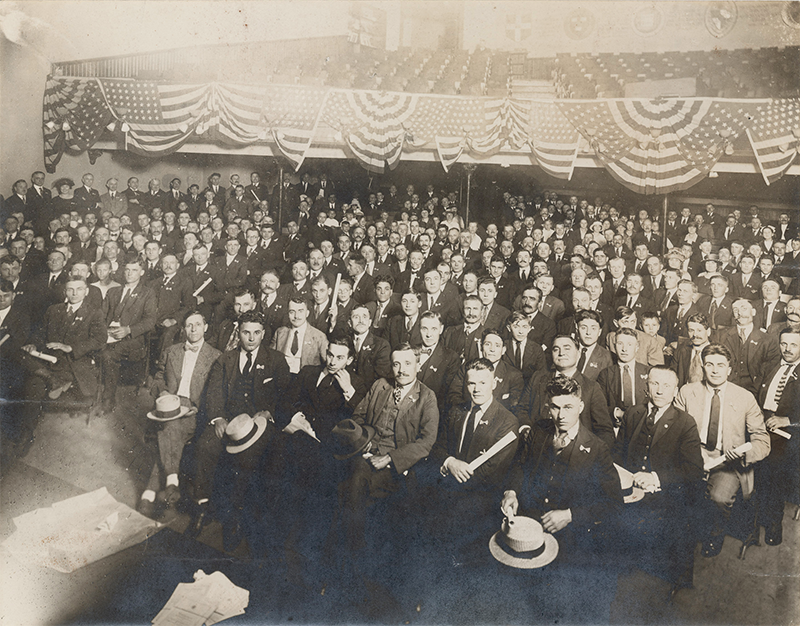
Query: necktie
x,y
712,313
582,359
233,340
248,363
627,387
52,281
695,368
470,430
408,324
358,342
742,335
295,343
630,302
125,293
560,441
782,383
426,351
518,350
190,347
713,422
397,394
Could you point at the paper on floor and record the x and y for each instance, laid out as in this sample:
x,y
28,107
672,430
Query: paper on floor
x,y
210,599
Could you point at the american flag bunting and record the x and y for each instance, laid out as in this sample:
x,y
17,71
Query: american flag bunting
x,y
775,137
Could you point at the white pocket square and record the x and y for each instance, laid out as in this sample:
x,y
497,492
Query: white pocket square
x,y
266,380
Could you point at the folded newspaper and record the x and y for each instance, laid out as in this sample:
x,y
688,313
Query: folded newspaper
x,y
78,531
211,598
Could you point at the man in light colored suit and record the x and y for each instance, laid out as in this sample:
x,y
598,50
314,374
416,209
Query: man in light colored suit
x,y
114,201
550,306
727,416
300,343
182,370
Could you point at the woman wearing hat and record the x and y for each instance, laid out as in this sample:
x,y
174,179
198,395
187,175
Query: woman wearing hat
x,y
64,202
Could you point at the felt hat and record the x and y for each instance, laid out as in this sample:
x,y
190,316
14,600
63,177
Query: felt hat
x,y
350,438
168,408
243,431
523,544
630,494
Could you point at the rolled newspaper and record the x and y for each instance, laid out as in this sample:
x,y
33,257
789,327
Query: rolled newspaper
x,y
712,463
201,287
781,432
497,447
44,357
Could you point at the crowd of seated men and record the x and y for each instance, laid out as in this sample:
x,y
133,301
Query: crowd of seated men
x,y
327,386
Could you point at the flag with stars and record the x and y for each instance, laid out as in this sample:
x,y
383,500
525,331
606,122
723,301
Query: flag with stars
x,y
775,136
74,116
372,123
554,140
659,146
507,124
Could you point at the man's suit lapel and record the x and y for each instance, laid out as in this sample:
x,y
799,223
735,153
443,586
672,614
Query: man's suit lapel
x,y
664,423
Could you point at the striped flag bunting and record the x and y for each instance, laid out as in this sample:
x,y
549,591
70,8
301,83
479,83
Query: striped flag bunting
x,y
775,137
659,146
372,123
74,115
650,146
553,139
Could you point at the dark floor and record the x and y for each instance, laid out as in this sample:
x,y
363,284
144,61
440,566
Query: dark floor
x,y
74,453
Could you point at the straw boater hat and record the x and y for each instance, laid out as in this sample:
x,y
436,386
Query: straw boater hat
x,y
522,543
168,408
243,431
350,438
630,494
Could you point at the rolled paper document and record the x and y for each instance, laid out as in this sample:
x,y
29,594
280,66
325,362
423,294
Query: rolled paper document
x,y
712,463
476,463
201,287
3,339
781,432
44,357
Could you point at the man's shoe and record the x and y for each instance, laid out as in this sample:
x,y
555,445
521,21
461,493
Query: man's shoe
x,y
200,517
146,508
55,394
773,534
170,495
713,545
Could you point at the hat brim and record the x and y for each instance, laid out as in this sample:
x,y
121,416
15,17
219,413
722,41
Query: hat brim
x,y
636,495
261,426
370,436
183,412
549,554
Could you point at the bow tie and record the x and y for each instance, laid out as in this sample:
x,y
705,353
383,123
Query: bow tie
x,y
426,351
188,347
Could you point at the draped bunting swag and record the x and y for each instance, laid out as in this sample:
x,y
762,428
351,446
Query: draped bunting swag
x,y
650,146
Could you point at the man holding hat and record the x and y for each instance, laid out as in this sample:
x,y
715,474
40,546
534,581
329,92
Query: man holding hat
x,y
405,419
246,381
565,475
181,374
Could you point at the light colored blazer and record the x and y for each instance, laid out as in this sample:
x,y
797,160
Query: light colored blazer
x,y
742,421
168,374
312,352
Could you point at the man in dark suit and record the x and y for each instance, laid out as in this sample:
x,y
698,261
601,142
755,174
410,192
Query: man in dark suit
x,y
404,328
565,477
371,352
465,498
249,380
777,475
464,339
746,283
74,333
718,307
624,384
659,444
363,285
412,278
203,276
48,288
386,305
15,328
269,302
522,350
174,299
593,357
594,411
438,364
255,191
403,420
509,382
754,351
673,322
494,315
86,198
226,336
634,298
322,396
38,198
434,299
295,244
220,192
771,309
182,371
132,310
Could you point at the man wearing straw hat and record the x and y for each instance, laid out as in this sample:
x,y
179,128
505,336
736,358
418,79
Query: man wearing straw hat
x,y
182,373
247,380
